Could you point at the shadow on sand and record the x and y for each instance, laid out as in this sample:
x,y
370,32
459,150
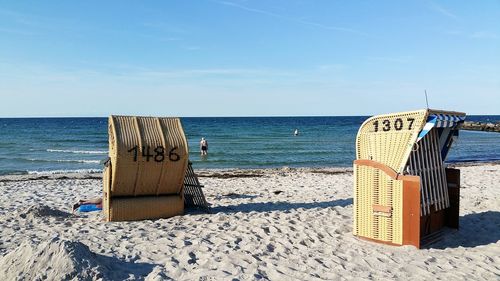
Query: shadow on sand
x,y
279,206
118,269
477,229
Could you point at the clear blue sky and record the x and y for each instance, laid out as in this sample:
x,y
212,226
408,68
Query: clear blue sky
x,y
247,58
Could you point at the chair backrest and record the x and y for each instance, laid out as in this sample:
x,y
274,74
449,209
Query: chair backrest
x,y
390,138
148,155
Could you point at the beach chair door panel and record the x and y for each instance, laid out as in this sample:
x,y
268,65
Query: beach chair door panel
x,y
378,208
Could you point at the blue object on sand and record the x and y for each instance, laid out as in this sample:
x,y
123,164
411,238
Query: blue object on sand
x,y
88,208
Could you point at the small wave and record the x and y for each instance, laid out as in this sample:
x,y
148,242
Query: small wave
x,y
13,172
472,160
67,161
79,151
81,161
53,172
70,141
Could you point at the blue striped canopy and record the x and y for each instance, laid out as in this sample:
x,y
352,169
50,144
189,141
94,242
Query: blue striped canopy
x,y
440,121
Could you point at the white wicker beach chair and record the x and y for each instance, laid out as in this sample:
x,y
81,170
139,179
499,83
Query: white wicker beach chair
x,y
403,193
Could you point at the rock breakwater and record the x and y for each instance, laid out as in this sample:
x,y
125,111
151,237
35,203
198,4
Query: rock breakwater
x,y
481,126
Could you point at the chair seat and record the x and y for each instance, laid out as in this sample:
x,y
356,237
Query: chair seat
x,y
146,207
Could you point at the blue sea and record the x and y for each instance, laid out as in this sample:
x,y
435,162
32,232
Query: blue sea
x,y
58,145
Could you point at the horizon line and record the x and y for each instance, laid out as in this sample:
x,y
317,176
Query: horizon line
x,y
227,116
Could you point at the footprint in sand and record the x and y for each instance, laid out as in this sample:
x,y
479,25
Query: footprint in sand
x,y
174,262
266,230
192,259
270,248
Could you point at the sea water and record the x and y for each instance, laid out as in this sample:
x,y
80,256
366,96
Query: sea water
x,y
57,145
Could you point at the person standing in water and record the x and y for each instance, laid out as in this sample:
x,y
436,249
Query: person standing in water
x,y
203,146
296,133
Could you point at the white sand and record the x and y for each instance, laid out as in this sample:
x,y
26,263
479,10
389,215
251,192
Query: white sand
x,y
279,224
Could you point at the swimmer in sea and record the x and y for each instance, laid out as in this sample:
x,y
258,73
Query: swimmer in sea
x,y
203,146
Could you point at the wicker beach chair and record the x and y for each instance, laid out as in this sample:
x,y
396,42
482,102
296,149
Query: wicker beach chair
x,y
144,177
403,193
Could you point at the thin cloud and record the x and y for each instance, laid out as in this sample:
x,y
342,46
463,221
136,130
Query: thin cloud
x,y
241,72
159,38
443,11
293,19
251,9
166,27
28,24
484,34
12,14
39,72
163,32
27,20
91,70
331,67
328,27
453,32
15,31
402,59
193,48
480,34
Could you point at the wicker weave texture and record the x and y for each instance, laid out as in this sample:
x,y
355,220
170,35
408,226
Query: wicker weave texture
x,y
149,155
372,187
389,138
147,207
106,200
144,177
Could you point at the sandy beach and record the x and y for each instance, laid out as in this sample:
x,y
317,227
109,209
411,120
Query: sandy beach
x,y
274,224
